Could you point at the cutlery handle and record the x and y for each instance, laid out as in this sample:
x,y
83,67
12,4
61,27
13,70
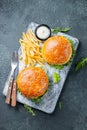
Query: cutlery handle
x,y
8,96
13,102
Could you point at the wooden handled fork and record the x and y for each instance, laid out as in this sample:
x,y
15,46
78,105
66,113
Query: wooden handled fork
x,y
12,82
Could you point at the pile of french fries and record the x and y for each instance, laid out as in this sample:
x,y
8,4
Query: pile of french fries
x,y
31,49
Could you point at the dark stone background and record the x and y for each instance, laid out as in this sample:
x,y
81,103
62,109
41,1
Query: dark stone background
x,y
15,15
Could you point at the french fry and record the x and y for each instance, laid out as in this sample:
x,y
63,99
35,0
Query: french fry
x,y
30,46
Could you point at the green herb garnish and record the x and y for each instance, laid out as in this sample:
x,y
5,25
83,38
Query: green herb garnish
x,y
18,90
60,67
37,100
68,63
56,77
48,76
72,44
29,109
58,29
49,84
60,105
66,29
82,63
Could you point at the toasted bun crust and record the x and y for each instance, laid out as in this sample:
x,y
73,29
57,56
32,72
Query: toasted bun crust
x,y
32,82
57,50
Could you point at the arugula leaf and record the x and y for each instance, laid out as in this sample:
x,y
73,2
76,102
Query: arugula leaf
x,y
37,100
49,83
48,76
60,67
66,29
60,105
29,109
68,63
71,41
56,77
82,63
58,29
18,90
73,50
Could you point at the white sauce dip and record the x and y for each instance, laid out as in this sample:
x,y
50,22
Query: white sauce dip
x,y
43,32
